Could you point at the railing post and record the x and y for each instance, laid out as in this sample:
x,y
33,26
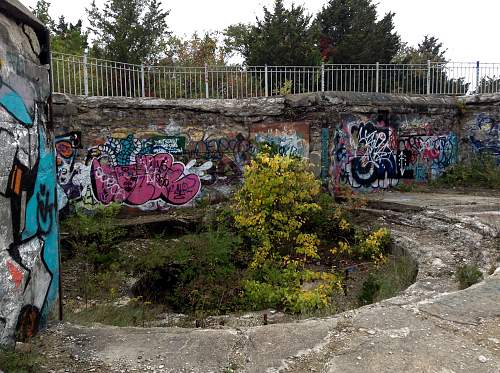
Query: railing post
x,y
143,91
206,81
377,76
477,77
428,77
322,77
265,80
85,76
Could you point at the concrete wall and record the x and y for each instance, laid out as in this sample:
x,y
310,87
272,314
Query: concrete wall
x,y
152,154
29,271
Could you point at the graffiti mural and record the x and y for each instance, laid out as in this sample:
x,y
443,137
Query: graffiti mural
x,y
29,266
140,173
221,158
370,155
484,135
290,138
68,169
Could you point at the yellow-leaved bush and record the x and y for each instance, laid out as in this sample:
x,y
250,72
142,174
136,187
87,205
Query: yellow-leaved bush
x,y
272,206
272,209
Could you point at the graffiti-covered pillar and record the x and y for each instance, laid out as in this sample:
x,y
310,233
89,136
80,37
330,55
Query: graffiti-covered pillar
x,y
29,271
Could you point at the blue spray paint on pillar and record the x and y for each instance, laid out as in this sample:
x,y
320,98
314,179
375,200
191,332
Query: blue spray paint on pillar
x,y
325,159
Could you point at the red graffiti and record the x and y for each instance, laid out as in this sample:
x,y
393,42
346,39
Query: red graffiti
x,y
152,177
17,275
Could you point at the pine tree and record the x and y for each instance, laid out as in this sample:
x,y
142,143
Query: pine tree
x,y
350,33
283,37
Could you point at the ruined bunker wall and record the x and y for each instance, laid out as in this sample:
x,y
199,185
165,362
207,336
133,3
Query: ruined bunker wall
x,y
29,270
152,154
481,124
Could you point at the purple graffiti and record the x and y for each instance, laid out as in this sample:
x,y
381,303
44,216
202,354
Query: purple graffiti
x,y
150,178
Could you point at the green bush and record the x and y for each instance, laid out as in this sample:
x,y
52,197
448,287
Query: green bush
x,y
389,280
467,275
192,273
94,235
479,170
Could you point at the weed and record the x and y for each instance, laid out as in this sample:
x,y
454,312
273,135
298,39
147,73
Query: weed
x,y
479,170
194,272
389,280
16,362
467,275
136,313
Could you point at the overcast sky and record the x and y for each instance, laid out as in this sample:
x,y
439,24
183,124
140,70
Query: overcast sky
x,y
469,29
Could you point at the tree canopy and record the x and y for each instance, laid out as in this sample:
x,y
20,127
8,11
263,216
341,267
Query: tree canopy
x,y
282,37
132,31
350,33
430,49
66,37
195,51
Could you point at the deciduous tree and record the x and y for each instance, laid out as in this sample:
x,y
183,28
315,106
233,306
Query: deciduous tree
x,y
132,31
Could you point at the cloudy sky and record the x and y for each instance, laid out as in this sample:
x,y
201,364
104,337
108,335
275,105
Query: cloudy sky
x,y
469,29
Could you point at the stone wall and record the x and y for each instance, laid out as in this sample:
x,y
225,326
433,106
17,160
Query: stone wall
x,y
152,153
29,258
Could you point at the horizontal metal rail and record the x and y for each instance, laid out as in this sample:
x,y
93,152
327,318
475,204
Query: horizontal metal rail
x,y
82,75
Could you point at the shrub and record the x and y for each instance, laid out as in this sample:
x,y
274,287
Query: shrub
x,y
94,235
272,205
467,275
372,246
195,272
479,170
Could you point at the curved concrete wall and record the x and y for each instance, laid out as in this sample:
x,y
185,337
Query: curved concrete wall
x,y
29,257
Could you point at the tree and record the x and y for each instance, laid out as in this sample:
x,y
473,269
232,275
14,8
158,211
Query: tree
x,y
132,31
283,37
350,33
69,38
65,37
430,49
41,11
195,51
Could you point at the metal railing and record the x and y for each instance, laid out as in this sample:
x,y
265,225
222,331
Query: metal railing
x,y
81,75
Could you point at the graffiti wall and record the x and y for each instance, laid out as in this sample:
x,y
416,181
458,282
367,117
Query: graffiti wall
x,y
29,270
369,154
484,135
163,171
291,138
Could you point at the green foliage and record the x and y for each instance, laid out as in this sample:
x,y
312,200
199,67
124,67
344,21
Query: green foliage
x,y
271,207
15,362
279,285
195,51
69,38
66,37
388,281
136,313
283,37
350,33
95,234
467,275
430,49
194,272
285,89
479,170
372,246
132,31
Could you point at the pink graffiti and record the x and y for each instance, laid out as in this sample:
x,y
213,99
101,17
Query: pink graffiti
x,y
152,177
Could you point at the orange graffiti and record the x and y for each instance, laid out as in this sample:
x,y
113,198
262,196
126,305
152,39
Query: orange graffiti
x,y
17,275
